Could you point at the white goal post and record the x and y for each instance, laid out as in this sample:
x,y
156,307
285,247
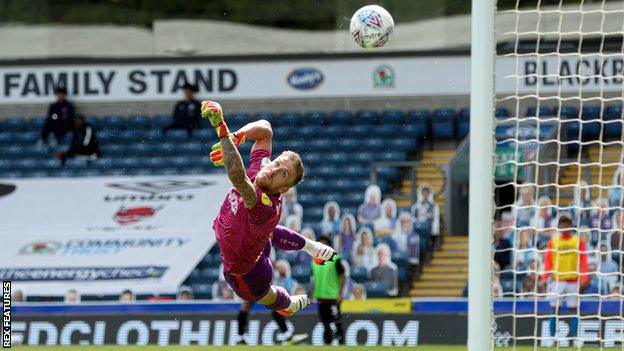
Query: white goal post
x,y
481,204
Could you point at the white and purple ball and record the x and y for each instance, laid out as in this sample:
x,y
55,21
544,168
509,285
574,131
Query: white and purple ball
x,y
371,26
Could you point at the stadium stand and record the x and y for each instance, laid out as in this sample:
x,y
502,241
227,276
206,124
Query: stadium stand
x,y
135,145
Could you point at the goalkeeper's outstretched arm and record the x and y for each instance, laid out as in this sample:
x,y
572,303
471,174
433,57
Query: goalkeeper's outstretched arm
x,y
260,132
235,170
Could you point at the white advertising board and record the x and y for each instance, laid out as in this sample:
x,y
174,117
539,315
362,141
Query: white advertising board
x,y
104,235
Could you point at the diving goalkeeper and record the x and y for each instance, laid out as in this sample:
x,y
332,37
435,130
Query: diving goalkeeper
x,y
246,225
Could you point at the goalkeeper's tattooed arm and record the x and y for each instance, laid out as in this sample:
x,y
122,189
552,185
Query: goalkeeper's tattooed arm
x,y
259,131
236,172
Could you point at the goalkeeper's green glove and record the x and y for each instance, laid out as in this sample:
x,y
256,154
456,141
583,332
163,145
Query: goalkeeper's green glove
x,y
212,111
215,154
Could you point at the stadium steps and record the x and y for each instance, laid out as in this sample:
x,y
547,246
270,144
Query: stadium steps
x,y
598,174
447,273
432,174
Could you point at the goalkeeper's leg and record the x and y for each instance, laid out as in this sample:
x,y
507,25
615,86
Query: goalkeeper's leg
x,y
287,239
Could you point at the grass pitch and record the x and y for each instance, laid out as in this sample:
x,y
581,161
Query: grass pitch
x,y
273,348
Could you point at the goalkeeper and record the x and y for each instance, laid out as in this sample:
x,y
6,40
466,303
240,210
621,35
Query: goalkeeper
x,y
246,225
565,267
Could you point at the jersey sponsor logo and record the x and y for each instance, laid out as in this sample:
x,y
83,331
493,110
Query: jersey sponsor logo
x,y
266,200
233,199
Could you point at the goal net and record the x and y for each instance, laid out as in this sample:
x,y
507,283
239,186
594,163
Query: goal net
x,y
559,174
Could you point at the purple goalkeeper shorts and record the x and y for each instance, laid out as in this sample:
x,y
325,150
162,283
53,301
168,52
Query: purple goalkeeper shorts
x,y
256,283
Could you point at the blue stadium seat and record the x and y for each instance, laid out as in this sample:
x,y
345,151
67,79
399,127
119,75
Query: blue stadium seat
x,y
194,148
27,137
374,144
291,119
334,131
316,118
501,112
202,291
388,130
366,117
341,118
443,124
387,172
202,134
6,138
181,161
359,274
312,158
309,132
76,163
106,136
269,116
12,151
312,185
155,162
363,157
130,136
341,185
353,199
24,164
301,274
321,145
418,131
399,258
313,214
131,162
337,158
463,125
176,135
307,199
166,148
161,121
48,164
138,122
418,115
114,150
349,145
13,124
114,122
210,275
403,144
34,124
36,174
283,132
613,121
166,171
355,171
392,117
464,113
139,149
238,120
543,111
360,130
569,112
376,289
590,128
36,151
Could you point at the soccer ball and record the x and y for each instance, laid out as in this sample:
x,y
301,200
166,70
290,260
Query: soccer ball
x,y
371,26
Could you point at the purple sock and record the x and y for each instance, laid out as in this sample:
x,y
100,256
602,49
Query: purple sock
x,y
282,301
287,239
